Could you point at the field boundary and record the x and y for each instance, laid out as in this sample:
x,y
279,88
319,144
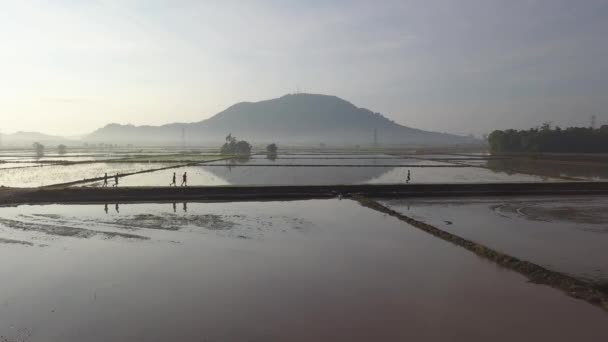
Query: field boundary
x,y
63,194
536,274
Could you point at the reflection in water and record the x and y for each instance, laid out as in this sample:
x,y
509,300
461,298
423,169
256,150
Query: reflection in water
x,y
568,234
224,272
556,168
297,175
271,156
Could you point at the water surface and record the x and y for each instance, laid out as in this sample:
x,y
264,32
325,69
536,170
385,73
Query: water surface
x,y
565,234
318,270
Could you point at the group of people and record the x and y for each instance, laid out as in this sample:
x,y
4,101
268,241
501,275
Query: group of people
x,y
184,180
105,180
173,183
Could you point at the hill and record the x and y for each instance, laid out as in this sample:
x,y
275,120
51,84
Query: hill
x,y
291,119
27,138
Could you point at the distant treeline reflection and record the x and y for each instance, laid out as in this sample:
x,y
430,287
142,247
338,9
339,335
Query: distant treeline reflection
x,y
547,139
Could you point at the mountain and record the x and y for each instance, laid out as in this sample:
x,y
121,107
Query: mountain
x,y
291,119
28,138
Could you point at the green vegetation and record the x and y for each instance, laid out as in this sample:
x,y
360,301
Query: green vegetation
x,y
234,146
547,139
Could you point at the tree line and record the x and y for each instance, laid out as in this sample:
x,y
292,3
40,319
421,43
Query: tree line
x,y
550,140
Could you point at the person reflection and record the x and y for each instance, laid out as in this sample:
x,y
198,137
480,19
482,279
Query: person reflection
x,y
185,207
174,207
117,208
105,208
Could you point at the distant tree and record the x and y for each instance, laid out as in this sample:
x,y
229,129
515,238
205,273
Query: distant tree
x,y
234,146
272,148
271,152
243,147
62,149
551,140
38,149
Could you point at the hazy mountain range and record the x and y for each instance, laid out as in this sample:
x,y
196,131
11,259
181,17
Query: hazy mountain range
x,y
298,119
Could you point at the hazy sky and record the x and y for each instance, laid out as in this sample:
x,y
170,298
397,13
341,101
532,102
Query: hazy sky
x,y
68,67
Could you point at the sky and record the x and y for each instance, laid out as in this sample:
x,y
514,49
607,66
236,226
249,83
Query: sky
x,y
68,67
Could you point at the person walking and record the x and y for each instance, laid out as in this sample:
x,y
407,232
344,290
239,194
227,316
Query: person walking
x,y
105,180
174,183
185,179
409,176
116,180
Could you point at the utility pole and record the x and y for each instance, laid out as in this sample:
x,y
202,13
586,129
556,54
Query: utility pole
x,y
375,137
183,138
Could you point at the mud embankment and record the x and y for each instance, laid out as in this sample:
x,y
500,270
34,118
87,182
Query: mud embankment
x,y
55,194
597,295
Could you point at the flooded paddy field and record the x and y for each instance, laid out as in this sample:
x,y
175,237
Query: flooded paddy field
x,y
57,174
313,175
567,234
292,168
339,161
587,170
261,271
10,165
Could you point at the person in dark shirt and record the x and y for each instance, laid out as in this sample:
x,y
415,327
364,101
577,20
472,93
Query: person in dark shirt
x,y
185,179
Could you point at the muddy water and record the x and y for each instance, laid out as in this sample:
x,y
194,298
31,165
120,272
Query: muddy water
x,y
316,270
565,234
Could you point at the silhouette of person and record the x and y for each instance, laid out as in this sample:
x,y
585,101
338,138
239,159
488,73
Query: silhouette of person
x,y
174,207
185,179
117,209
409,176
105,208
116,180
105,180
174,183
185,207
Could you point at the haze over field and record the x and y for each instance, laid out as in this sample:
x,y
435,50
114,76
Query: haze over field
x,y
305,119
70,67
